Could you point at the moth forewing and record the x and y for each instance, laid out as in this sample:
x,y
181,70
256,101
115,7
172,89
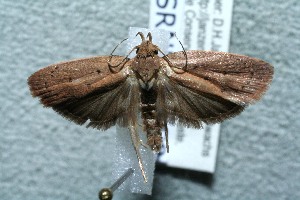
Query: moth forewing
x,y
73,79
237,78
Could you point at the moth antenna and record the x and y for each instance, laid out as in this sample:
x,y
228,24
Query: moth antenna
x,y
111,67
184,52
111,55
149,35
175,69
110,58
142,36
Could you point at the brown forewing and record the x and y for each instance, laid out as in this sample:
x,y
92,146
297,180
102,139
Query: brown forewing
x,y
73,79
237,78
86,90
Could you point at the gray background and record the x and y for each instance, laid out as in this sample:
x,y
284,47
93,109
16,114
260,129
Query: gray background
x,y
43,156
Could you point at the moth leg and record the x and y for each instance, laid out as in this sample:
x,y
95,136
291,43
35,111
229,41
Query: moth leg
x,y
136,144
143,144
167,137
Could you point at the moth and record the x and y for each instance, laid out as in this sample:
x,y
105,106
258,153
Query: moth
x,y
187,87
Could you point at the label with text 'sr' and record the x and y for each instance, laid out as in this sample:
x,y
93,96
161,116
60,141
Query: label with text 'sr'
x,y
200,25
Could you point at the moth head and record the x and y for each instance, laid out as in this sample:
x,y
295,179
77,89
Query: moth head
x,y
146,48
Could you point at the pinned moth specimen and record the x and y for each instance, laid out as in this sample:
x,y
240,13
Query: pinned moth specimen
x,y
186,87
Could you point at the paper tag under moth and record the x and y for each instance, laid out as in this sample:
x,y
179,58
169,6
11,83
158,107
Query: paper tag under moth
x,y
186,87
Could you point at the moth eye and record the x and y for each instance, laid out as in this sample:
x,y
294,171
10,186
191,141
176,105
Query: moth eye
x,y
156,52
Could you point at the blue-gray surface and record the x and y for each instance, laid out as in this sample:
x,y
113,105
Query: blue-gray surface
x,y
43,156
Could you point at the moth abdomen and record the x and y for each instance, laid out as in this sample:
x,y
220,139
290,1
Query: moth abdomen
x,y
152,126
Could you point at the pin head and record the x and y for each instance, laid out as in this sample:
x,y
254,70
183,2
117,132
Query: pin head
x,y
105,194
